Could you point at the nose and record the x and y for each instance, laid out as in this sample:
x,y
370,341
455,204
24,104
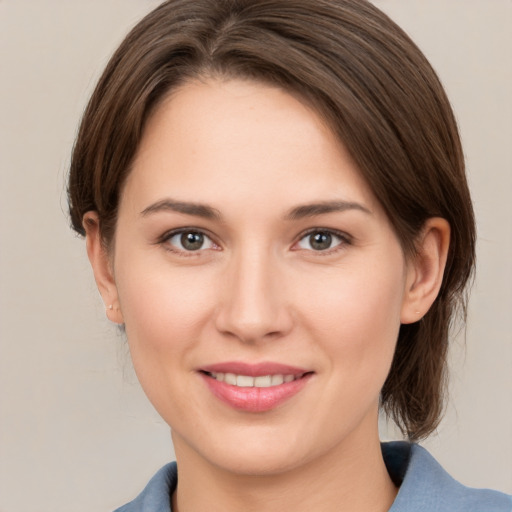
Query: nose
x,y
254,305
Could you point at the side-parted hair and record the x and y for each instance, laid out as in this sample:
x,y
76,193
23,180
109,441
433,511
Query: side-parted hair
x,y
374,88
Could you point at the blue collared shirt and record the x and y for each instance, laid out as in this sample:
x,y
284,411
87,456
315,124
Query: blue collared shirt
x,y
424,486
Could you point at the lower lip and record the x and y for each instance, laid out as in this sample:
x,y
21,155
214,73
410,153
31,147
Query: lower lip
x,y
255,399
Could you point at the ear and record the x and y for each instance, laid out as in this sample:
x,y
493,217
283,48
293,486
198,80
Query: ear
x,y
102,267
425,270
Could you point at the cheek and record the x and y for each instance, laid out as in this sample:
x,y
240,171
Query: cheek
x,y
356,318
354,302
164,309
166,313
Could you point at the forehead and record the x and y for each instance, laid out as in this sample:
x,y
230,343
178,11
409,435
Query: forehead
x,y
215,138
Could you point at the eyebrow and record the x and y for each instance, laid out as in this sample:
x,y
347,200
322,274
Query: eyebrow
x,y
323,207
170,205
207,212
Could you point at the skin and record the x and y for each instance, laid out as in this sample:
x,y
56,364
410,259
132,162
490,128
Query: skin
x,y
257,290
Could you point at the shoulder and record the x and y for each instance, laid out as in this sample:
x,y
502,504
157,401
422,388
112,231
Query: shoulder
x,y
156,496
427,487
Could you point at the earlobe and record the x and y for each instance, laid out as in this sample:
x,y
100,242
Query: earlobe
x,y
426,269
102,267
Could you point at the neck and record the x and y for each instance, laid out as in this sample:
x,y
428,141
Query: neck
x,y
352,477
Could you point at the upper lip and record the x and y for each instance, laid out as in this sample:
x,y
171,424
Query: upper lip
x,y
253,370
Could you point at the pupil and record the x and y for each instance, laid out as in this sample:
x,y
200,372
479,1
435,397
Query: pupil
x,y
320,241
192,241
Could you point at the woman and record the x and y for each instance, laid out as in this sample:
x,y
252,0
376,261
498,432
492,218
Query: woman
x,y
275,208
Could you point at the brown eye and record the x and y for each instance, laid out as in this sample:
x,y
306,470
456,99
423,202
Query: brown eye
x,y
189,241
192,241
322,240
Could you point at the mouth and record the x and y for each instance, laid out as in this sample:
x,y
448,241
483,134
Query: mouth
x,y
247,381
254,388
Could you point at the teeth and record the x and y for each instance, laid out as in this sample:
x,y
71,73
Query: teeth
x,y
263,382
246,381
277,380
229,378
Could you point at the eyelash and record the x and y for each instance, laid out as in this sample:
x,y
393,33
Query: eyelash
x,y
165,239
344,240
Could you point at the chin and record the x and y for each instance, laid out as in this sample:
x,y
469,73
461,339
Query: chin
x,y
260,463
263,449
250,451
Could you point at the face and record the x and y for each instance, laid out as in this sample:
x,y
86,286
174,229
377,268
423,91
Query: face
x,y
260,283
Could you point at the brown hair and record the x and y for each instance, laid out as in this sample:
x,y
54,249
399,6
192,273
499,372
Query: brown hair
x,y
365,77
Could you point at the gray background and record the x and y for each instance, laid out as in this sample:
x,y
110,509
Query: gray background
x,y
76,432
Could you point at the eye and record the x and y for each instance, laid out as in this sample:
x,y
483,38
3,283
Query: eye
x,y
189,241
321,240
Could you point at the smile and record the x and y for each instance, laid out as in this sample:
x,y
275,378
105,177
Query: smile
x,y
254,388
246,381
